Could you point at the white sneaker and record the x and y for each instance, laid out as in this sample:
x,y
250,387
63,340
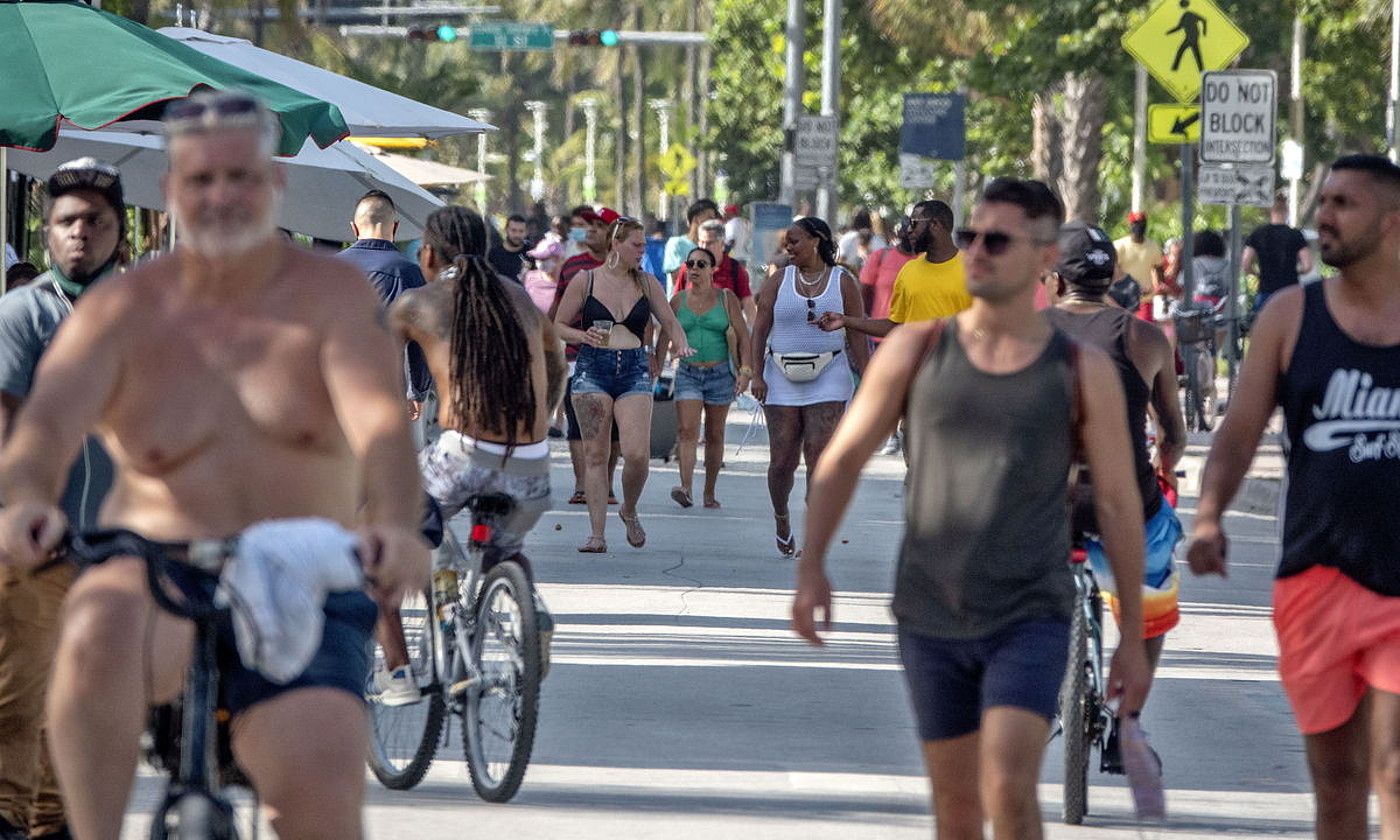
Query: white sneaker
x,y
398,687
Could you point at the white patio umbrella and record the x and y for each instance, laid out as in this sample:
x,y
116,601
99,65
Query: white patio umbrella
x,y
427,173
322,184
367,109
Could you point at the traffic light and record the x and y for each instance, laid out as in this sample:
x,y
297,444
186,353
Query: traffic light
x,y
444,33
594,38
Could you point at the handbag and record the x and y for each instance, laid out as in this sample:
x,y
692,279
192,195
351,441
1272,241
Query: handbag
x,y
804,367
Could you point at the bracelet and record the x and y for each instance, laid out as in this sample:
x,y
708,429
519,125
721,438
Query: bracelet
x,y
745,371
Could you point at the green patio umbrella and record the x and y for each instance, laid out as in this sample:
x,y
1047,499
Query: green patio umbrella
x,y
61,60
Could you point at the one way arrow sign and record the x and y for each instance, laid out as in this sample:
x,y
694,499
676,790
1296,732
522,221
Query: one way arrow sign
x,y
1174,124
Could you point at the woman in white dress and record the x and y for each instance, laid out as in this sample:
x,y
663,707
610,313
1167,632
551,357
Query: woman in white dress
x,y
806,376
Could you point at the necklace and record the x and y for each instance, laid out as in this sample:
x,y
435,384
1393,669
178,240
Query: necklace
x,y
811,284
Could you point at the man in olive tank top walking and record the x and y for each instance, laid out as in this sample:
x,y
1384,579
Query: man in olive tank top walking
x,y
1328,354
983,591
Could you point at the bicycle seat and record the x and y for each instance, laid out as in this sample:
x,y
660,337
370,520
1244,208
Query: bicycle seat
x,y
490,505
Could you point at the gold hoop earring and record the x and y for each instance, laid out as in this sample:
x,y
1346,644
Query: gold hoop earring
x,y
613,259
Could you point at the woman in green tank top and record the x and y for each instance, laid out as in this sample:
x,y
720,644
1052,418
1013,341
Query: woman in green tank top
x,y
705,382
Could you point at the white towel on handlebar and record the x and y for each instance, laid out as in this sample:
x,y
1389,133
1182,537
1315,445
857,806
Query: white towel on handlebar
x,y
275,586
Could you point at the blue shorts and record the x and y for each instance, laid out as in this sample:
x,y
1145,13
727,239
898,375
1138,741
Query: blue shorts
x,y
617,373
714,385
953,681
342,661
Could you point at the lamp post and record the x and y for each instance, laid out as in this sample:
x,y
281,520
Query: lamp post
x,y
537,110
480,115
590,150
662,107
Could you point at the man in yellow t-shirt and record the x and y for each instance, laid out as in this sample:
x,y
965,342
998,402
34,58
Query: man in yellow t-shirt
x,y
1138,256
929,286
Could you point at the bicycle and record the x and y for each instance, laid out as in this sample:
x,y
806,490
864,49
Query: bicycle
x,y
1196,337
1085,719
474,647
188,740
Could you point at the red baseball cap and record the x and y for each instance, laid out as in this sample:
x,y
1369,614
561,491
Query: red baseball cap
x,y
1137,216
607,215
731,209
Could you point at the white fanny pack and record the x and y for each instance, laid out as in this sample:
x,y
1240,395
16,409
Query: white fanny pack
x,y
804,367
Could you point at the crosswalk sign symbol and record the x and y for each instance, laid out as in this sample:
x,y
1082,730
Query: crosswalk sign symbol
x,y
1181,39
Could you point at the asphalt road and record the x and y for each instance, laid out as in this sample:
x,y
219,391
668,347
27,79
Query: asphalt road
x,y
681,706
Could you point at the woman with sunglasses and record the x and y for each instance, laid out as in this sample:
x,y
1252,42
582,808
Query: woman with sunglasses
x,y
613,375
806,377
705,381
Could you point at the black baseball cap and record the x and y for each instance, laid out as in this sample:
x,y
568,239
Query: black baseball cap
x,y
1087,255
88,173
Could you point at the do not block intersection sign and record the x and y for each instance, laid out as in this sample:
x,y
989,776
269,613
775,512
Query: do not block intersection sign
x,y
1238,111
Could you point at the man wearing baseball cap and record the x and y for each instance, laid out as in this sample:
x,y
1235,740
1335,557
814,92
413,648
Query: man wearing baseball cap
x,y
1147,369
84,222
1140,258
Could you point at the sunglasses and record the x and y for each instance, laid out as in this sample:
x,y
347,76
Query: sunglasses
x,y
994,241
219,108
698,264
811,310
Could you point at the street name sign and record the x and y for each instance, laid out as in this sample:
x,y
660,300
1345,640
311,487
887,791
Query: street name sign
x,y
935,125
511,35
1173,124
1181,39
1238,109
1250,184
815,144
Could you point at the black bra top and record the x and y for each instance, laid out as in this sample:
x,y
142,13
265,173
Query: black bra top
x,y
635,322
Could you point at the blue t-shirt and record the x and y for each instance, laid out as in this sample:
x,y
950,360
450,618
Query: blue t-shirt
x,y
392,274
29,318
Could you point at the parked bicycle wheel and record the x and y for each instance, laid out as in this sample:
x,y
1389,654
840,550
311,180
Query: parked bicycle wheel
x,y
1205,385
1076,721
502,707
403,739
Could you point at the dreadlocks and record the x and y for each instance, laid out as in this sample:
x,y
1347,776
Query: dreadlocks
x,y
489,348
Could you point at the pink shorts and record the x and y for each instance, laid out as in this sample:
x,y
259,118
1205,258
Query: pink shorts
x,y
1336,638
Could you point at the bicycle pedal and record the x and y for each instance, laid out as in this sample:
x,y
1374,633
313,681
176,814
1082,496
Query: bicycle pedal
x,y
461,687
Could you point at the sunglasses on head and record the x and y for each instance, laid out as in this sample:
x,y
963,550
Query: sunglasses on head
x,y
994,241
695,264
204,108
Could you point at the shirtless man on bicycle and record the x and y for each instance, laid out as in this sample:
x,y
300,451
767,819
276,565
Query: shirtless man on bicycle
x,y
501,373
237,380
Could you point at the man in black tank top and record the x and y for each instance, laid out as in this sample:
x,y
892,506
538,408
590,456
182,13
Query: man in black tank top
x,y
1146,369
1328,354
983,591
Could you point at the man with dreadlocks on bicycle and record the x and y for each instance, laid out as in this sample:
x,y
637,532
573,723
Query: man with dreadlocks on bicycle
x,y
500,371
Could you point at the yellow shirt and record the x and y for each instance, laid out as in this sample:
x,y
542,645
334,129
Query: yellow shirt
x,y
924,291
1138,259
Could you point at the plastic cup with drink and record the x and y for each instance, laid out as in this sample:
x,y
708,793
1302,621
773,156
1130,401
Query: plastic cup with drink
x,y
604,327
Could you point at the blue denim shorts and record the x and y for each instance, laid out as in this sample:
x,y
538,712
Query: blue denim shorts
x,y
953,681
714,385
617,373
342,661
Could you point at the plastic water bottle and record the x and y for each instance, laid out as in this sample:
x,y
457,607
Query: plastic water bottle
x,y
1144,772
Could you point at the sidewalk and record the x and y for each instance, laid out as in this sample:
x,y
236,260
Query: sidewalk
x,y
1259,493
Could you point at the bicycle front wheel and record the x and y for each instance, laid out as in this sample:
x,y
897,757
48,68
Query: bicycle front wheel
x,y
1205,384
503,704
1075,721
403,738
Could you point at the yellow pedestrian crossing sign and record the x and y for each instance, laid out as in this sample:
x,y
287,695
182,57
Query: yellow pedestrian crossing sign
x,y
1181,39
1173,124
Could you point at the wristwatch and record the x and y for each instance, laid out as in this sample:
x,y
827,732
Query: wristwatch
x,y
745,370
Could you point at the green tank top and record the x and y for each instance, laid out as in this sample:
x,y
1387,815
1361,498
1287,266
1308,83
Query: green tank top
x,y
705,332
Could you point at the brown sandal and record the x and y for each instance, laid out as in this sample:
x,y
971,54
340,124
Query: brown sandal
x,y
578,498
636,537
594,545
680,496
712,504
